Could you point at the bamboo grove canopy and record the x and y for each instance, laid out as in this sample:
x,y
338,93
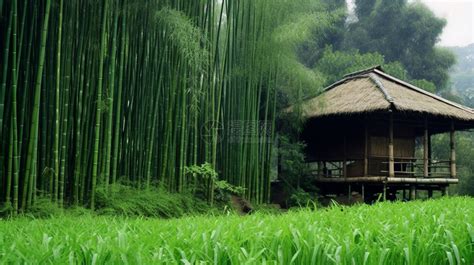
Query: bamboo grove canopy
x,y
374,91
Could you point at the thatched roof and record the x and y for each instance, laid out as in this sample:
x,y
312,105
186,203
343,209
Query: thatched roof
x,y
373,90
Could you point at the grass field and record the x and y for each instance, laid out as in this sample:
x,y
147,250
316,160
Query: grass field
x,y
431,232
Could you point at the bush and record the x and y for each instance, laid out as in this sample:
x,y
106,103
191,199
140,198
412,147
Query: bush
x,y
199,178
44,208
301,198
152,202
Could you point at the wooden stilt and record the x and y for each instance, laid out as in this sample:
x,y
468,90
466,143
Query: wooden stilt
x,y
391,161
363,192
443,191
404,197
320,169
349,191
425,150
344,163
430,193
429,154
384,191
366,150
325,170
412,192
453,152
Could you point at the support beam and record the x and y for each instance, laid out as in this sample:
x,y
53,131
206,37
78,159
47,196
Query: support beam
x,y
444,191
320,169
425,150
366,150
363,192
430,157
349,193
453,152
430,193
391,159
325,170
404,196
384,192
412,192
344,163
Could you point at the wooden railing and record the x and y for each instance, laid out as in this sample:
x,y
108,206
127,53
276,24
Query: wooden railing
x,y
378,166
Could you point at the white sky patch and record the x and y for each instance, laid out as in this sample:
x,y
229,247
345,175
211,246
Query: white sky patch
x,y
460,17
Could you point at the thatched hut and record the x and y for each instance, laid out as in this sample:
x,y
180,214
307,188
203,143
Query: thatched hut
x,y
363,131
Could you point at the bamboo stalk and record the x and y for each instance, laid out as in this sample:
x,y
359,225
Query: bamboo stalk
x,y
33,141
95,162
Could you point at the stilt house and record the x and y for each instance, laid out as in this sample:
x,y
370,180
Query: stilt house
x,y
370,133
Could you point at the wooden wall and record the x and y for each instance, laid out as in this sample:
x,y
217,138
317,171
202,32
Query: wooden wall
x,y
344,139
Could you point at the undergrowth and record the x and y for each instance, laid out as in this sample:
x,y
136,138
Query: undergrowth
x,y
152,202
121,200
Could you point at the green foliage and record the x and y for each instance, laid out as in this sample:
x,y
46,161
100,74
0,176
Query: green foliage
x,y
464,162
462,74
294,172
182,33
329,31
431,232
200,177
292,161
299,26
404,32
44,208
335,64
301,198
126,200
424,84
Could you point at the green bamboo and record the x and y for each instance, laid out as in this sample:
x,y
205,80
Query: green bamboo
x,y
163,69
14,130
33,141
111,101
95,164
5,71
57,98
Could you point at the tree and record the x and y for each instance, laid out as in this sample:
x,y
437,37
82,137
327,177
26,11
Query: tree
x,y
402,32
335,64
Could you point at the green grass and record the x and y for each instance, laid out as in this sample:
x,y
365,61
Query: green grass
x,y
431,232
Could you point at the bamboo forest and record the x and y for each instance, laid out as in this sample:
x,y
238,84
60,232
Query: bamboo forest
x,y
279,131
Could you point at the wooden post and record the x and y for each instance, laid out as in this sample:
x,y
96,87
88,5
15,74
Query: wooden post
x,y
425,150
453,152
363,192
412,192
344,163
444,191
430,193
391,159
325,170
349,191
384,191
320,169
429,155
404,196
366,150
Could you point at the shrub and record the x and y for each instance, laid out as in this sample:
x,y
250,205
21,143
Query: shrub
x,y
199,177
152,202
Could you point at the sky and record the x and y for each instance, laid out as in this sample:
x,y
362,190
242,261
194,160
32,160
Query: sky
x,y
460,17
459,14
